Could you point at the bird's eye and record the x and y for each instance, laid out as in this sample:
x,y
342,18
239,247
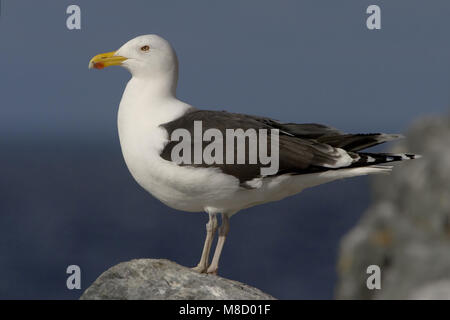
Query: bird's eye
x,y
145,48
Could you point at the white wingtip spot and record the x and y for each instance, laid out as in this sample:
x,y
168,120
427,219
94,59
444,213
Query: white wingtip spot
x,y
343,160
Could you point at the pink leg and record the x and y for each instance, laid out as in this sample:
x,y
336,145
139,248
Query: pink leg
x,y
223,231
211,228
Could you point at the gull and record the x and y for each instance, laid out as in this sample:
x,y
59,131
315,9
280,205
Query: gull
x,y
150,114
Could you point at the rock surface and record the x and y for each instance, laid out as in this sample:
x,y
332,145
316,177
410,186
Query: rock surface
x,y
160,279
406,230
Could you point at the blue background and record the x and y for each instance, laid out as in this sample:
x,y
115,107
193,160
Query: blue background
x,y
66,196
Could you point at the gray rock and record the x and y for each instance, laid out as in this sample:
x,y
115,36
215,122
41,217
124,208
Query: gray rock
x,y
406,230
160,279
439,290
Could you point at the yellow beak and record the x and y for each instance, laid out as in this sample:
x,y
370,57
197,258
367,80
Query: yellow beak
x,y
104,60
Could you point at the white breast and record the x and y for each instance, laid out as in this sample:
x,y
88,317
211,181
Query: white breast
x,y
142,140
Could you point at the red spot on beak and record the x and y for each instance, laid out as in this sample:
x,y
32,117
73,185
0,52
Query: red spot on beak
x,y
99,65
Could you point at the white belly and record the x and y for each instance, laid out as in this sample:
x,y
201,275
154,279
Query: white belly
x,y
182,188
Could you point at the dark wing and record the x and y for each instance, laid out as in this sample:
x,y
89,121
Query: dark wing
x,y
334,137
331,136
303,148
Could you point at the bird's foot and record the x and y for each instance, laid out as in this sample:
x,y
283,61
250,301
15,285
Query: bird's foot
x,y
199,268
212,270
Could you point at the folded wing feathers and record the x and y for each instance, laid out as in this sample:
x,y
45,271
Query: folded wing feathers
x,y
303,148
